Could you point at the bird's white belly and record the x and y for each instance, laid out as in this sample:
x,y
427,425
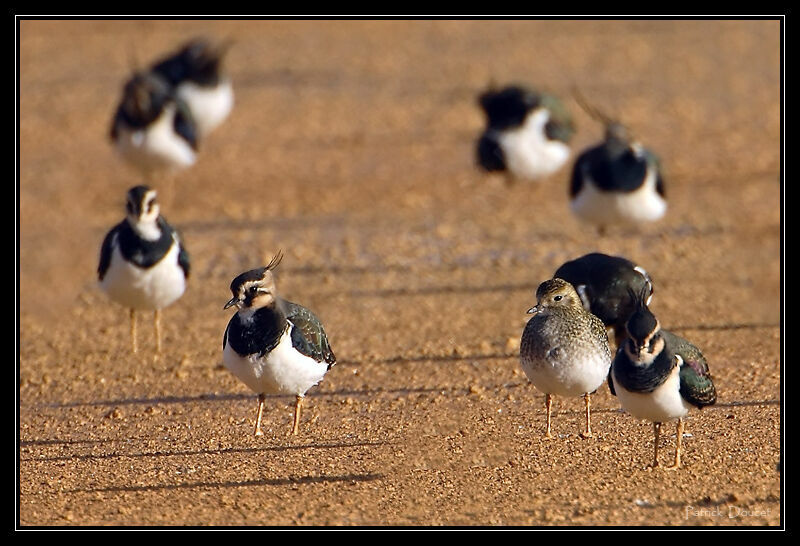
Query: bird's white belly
x,y
600,207
157,146
528,152
662,404
282,371
571,377
209,107
144,289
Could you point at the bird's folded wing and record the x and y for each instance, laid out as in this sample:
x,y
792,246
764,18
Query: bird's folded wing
x,y
308,336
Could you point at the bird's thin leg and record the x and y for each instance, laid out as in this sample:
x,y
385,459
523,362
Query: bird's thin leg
x,y
298,404
656,435
548,404
133,331
157,321
677,464
587,402
260,411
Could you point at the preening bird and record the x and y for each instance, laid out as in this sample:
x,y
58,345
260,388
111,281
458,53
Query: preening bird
x,y
527,133
153,130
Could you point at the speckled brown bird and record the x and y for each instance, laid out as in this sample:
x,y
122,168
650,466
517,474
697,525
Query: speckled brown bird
x,y
564,348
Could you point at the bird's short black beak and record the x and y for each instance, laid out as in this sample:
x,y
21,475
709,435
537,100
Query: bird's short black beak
x,y
231,303
533,310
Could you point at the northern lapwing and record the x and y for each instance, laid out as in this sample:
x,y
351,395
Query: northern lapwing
x,y
153,130
564,348
659,376
604,284
144,265
272,345
527,133
618,181
196,74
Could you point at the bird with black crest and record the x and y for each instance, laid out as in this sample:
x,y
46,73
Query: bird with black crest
x,y
618,181
272,345
659,376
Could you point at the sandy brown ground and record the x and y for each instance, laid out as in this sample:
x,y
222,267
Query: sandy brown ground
x,y
350,147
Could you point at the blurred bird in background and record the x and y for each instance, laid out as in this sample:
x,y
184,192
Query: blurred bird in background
x,y
196,75
618,181
167,110
153,130
527,133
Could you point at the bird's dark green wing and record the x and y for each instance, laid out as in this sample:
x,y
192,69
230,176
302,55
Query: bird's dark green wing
x,y
560,125
183,261
655,161
576,181
183,256
105,252
184,124
611,384
697,386
308,335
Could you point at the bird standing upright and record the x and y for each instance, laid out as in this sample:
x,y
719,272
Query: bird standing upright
x,y
272,345
143,263
604,284
659,376
527,133
564,348
616,182
196,75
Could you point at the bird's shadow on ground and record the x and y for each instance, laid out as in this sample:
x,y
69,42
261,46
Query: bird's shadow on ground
x,y
276,482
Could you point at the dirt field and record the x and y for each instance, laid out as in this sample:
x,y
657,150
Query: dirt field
x,y
350,147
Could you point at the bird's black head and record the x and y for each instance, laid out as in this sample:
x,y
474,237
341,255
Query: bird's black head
x,y
143,98
197,61
619,139
255,288
141,205
508,107
643,328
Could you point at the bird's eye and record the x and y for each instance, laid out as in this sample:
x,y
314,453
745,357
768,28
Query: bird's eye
x,y
557,298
